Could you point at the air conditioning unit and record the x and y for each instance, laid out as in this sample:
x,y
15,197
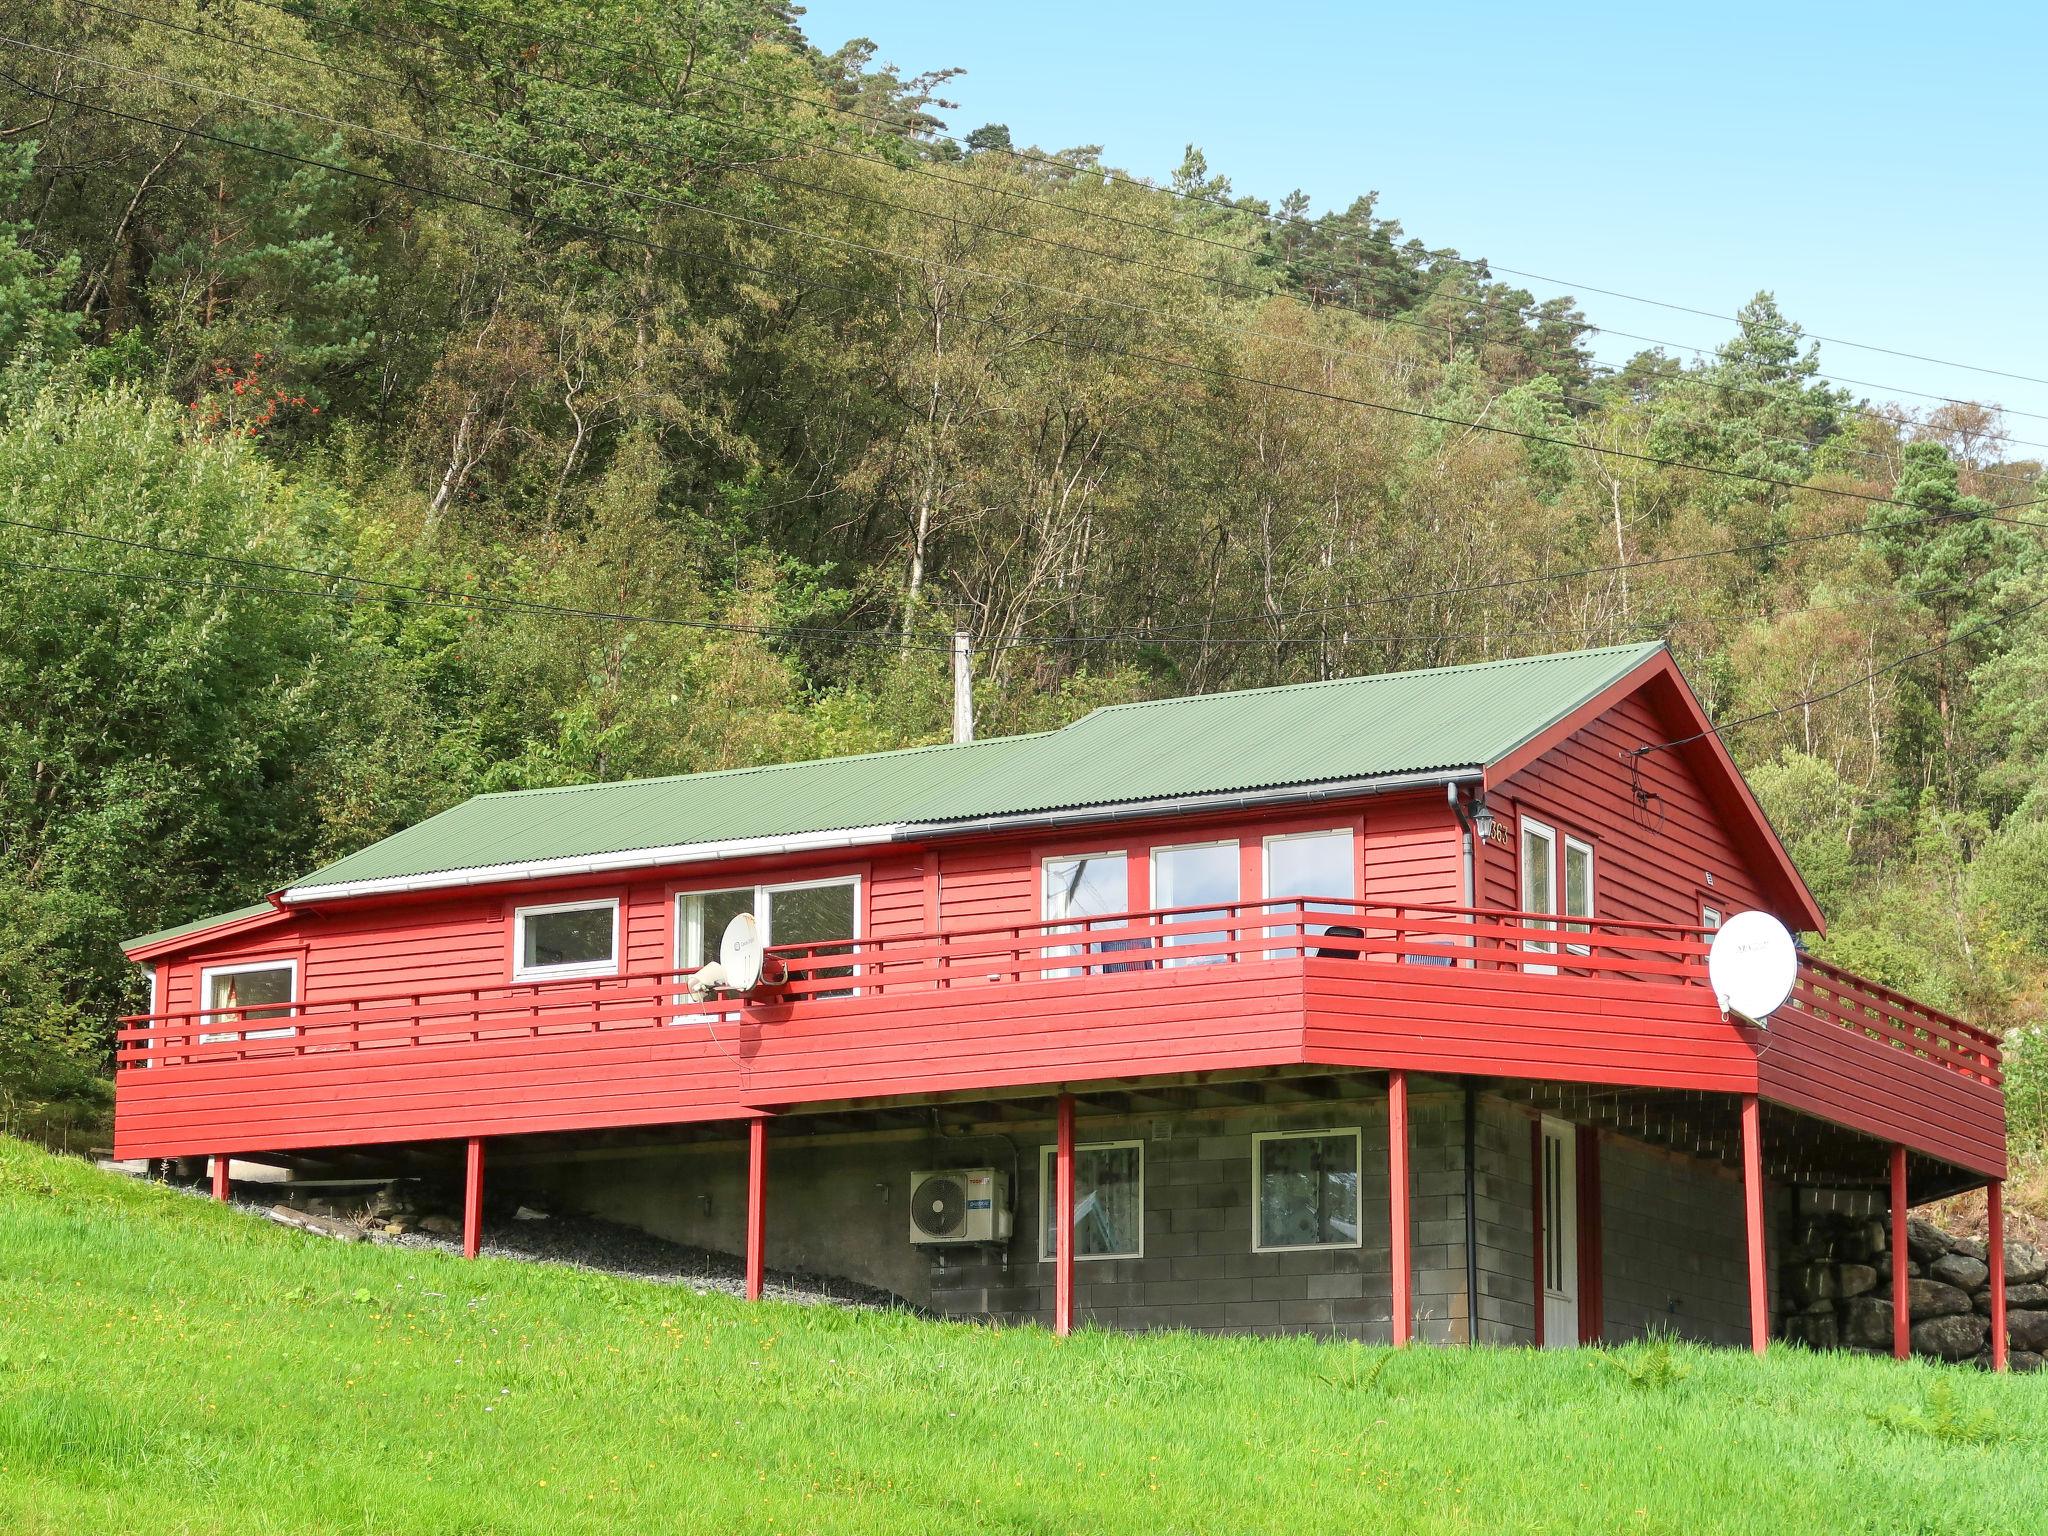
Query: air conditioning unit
x,y
960,1205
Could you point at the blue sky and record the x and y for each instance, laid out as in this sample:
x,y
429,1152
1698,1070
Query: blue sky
x,y
1882,168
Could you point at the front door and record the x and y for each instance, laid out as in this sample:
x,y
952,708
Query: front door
x,y
1560,1236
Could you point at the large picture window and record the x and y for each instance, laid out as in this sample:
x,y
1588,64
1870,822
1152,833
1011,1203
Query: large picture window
x,y
1305,1189
810,912
1195,877
565,939
1310,864
1109,1201
1080,886
243,990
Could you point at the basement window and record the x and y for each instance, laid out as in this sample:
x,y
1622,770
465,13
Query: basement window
x,y
567,939
1109,1201
243,988
1305,1190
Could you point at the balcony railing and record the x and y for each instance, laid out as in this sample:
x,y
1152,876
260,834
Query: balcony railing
x,y
1080,954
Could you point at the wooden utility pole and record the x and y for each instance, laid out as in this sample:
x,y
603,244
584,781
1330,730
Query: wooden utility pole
x,y
963,686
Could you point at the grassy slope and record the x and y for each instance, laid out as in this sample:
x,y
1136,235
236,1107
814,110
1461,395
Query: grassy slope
x,y
168,1366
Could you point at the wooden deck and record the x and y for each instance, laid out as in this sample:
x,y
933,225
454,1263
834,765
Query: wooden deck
x,y
1251,985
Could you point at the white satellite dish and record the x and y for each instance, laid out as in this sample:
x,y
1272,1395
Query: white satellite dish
x,y
739,953
1752,965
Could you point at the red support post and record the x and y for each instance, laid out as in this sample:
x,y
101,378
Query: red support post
x,y
1536,1217
1063,1222
1995,1202
1397,1189
757,1206
220,1177
1902,1304
473,1198
1753,1221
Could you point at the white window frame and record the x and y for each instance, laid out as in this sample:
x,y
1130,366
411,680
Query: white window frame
x,y
1266,877
1046,1156
689,933
1548,833
1564,861
240,1031
1358,1147
1166,928
568,970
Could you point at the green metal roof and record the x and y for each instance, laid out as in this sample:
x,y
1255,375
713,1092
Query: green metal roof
x,y
197,925
1302,734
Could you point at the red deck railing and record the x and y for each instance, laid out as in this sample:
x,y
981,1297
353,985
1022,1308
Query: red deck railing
x,y
840,975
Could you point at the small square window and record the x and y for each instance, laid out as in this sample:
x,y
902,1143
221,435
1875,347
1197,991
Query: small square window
x,y
572,939
1305,1189
1109,1201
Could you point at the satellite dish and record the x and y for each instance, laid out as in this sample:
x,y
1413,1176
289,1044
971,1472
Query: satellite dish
x,y
739,953
1752,965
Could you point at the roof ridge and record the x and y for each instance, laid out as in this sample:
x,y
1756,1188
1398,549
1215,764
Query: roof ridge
x,y
728,773
1642,647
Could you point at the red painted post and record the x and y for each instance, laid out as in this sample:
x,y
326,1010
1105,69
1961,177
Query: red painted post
x,y
1063,1222
757,1206
1397,1190
1902,1304
220,1177
1753,1214
1995,1201
1536,1217
473,1198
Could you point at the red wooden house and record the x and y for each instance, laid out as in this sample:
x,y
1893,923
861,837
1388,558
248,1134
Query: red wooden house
x,y
1373,1007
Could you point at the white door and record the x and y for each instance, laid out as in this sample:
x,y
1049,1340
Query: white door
x,y
1560,1175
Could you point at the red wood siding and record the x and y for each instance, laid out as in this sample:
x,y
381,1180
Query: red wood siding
x,y
1649,864
1414,852
1563,1028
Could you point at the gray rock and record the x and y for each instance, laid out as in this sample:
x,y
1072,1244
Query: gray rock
x,y
2027,1330
1970,1247
446,1226
2024,1265
1931,1298
1867,1322
1950,1338
1812,1283
1924,1240
1960,1270
1876,1239
1855,1279
1818,1331
2016,1297
2023,1360
308,1221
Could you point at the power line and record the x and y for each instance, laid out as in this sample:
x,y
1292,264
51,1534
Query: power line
x,y
756,89
668,110
886,639
1239,208
1157,361
1122,258
1180,365
2004,617
1611,568
415,593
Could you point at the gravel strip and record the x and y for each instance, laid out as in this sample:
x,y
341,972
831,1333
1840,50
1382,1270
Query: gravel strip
x,y
609,1248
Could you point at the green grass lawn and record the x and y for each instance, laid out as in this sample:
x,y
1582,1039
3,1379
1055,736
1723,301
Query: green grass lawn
x,y
170,1366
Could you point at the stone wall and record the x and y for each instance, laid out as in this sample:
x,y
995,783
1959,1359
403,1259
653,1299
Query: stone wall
x,y
1836,1274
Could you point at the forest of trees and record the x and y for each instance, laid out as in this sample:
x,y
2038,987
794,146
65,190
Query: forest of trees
x,y
409,398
